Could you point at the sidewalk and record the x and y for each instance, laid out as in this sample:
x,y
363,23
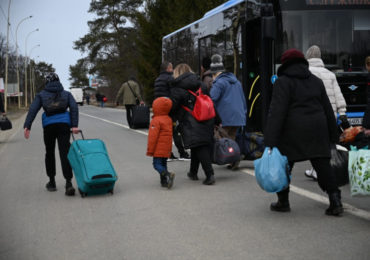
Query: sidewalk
x,y
17,118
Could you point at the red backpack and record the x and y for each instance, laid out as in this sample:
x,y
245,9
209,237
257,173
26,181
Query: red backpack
x,y
203,108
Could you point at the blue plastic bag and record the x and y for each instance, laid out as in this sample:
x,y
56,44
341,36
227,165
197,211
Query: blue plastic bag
x,y
272,170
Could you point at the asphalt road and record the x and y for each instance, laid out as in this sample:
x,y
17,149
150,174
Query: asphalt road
x,y
230,220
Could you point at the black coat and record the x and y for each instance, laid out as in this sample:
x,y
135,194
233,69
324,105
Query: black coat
x,y
161,85
301,121
194,133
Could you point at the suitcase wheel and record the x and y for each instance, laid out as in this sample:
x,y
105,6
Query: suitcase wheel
x,y
83,194
111,191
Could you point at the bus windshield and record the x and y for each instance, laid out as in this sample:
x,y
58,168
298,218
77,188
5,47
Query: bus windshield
x,y
342,35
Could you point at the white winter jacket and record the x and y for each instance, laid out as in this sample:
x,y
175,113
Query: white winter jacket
x,y
338,103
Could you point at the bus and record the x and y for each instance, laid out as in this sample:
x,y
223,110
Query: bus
x,y
251,36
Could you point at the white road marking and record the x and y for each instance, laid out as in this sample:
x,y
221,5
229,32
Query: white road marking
x,y
305,193
322,199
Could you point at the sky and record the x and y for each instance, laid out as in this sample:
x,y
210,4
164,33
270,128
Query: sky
x,y
60,23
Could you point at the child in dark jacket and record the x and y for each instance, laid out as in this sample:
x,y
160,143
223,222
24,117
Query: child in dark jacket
x,y
160,139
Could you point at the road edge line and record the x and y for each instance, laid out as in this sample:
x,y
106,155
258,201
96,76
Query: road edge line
x,y
322,199
305,193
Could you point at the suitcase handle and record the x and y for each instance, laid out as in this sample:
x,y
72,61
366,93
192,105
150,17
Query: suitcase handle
x,y
80,131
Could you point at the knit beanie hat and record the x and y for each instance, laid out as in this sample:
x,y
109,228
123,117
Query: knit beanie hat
x,y
313,52
291,54
52,76
216,64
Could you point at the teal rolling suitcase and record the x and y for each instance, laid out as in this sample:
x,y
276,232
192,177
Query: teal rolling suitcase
x,y
92,167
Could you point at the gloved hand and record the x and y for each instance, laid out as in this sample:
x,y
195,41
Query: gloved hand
x,y
345,124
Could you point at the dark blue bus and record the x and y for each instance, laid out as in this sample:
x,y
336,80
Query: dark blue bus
x,y
251,35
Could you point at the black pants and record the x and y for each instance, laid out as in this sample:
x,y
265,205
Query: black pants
x,y
60,132
325,174
129,114
177,139
201,155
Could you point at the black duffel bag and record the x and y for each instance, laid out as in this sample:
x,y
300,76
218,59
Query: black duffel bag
x,y
5,123
225,149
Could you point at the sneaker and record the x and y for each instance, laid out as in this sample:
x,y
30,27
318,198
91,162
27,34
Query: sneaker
x,y
172,158
311,174
184,157
50,186
70,191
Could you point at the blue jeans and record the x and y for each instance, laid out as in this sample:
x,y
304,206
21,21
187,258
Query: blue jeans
x,y
160,164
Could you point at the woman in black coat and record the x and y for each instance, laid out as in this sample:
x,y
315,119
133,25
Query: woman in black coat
x,y
197,136
301,124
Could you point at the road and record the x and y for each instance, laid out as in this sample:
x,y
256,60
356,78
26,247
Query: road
x,y
230,220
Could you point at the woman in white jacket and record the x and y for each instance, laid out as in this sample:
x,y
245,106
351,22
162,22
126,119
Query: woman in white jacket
x,y
338,103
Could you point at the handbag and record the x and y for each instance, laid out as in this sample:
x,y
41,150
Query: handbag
x,y
225,149
5,123
272,170
136,98
339,164
251,143
359,171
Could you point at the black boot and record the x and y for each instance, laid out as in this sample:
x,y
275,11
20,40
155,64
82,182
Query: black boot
x,y
51,186
335,207
192,176
282,205
70,191
170,176
210,180
164,182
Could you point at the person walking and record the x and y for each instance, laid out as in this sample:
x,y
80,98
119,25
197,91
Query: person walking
x,y
162,89
301,124
100,98
130,92
228,97
160,139
197,136
87,97
60,115
337,101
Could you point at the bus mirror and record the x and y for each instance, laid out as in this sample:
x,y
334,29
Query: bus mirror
x,y
269,27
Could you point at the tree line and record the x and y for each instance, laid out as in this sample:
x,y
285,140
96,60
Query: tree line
x,y
125,39
38,69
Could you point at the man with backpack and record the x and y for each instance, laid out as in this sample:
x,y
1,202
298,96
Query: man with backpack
x,y
228,97
59,118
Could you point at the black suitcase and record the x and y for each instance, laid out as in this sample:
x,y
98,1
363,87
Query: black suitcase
x,y
140,116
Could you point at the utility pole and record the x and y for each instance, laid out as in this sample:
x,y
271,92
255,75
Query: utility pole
x,y
6,63
16,47
25,70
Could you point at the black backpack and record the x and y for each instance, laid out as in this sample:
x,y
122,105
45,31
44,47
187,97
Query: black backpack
x,y
55,104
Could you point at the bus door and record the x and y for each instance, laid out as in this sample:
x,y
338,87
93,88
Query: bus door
x,y
251,73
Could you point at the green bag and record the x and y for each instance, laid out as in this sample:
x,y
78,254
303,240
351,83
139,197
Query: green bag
x,y
359,171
